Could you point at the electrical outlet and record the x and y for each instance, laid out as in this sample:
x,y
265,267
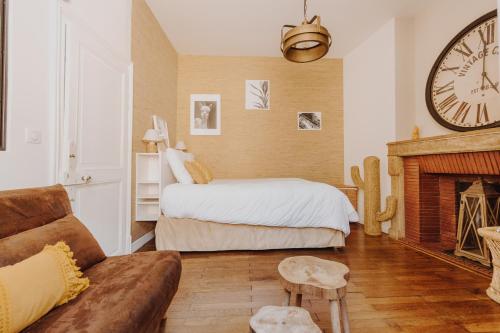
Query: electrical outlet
x,y
33,136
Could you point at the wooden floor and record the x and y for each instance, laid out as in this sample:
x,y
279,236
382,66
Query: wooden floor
x,y
392,289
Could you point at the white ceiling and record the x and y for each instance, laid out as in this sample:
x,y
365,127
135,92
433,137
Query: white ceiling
x,y
252,27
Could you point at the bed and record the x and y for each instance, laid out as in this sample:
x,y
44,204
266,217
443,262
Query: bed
x,y
251,214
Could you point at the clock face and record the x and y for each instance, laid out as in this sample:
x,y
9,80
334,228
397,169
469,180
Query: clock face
x,y
463,91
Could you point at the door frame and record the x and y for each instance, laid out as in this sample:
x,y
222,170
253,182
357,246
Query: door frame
x,y
60,153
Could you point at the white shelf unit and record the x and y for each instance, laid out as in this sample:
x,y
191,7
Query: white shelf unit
x,y
148,186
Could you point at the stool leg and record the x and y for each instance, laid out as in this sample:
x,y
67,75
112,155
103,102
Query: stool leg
x,y
298,300
335,316
345,316
286,302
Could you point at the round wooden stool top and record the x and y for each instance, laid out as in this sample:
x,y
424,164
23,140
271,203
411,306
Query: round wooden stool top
x,y
314,276
283,319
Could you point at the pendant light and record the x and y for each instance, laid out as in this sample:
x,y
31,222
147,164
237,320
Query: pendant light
x,y
307,42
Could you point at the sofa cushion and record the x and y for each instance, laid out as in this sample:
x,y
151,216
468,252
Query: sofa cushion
x,y
87,251
34,286
21,210
126,294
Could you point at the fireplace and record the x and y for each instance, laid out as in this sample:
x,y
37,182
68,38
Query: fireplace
x,y
427,176
432,185
424,174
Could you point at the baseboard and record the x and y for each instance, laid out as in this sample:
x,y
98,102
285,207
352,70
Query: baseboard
x,y
140,242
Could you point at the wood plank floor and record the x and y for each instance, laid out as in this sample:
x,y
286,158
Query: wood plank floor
x,y
392,289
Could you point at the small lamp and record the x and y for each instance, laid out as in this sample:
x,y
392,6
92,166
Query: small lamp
x,y
151,137
180,145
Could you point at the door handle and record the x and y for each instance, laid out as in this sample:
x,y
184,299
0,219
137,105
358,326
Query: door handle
x,y
86,179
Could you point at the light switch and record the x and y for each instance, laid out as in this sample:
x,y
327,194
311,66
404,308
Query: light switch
x,y
33,136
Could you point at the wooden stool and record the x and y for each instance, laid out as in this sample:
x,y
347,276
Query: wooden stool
x,y
319,278
282,319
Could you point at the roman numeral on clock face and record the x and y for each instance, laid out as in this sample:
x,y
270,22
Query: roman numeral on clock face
x,y
482,113
452,69
448,103
463,49
488,34
462,112
443,89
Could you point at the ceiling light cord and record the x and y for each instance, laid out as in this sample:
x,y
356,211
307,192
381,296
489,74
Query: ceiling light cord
x,y
305,10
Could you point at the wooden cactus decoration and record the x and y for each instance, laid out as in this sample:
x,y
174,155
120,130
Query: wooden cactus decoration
x,y
371,187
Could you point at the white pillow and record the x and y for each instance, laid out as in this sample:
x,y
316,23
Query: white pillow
x,y
176,160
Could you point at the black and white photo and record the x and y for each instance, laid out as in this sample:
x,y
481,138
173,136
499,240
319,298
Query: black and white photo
x,y
309,121
205,117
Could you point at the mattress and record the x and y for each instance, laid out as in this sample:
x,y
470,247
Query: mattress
x,y
280,202
193,235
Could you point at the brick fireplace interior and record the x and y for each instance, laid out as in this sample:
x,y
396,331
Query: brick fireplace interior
x,y
432,193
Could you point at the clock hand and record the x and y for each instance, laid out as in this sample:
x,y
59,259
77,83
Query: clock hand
x,y
492,85
483,74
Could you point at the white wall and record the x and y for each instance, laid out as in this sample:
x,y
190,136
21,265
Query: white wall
x,y
433,31
31,69
405,78
32,56
369,102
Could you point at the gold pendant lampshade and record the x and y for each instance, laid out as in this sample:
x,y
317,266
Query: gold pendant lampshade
x,y
305,43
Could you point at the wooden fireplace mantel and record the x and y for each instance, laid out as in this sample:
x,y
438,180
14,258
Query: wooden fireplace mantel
x,y
466,142
473,141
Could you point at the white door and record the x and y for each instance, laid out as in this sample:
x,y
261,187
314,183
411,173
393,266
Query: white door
x,y
94,162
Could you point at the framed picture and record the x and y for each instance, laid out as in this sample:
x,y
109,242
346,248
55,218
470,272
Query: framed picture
x,y
161,126
257,95
205,115
309,121
3,73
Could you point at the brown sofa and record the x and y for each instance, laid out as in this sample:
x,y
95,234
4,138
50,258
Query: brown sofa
x,y
126,294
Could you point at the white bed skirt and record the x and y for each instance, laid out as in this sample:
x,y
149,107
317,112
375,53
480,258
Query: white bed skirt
x,y
189,235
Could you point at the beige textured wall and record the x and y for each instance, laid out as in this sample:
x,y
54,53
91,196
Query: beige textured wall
x,y
155,86
266,143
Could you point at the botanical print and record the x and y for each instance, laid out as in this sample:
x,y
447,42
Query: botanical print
x,y
258,95
309,121
205,114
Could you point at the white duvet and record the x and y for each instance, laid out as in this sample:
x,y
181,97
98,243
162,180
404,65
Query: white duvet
x,y
285,202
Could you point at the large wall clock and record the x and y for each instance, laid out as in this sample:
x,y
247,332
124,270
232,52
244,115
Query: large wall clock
x,y
463,91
